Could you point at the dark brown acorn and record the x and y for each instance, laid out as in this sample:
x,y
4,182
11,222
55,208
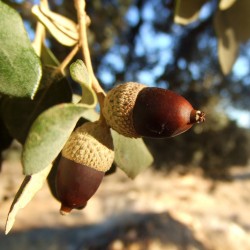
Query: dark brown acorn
x,y
135,110
86,156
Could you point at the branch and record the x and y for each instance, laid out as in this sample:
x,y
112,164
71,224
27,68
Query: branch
x,y
82,16
68,59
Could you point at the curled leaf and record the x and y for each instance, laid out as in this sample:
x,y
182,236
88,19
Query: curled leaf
x,y
79,73
131,155
61,28
30,186
63,23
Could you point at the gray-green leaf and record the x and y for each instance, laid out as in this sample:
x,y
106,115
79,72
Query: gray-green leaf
x,y
79,73
30,186
19,113
20,69
131,155
48,134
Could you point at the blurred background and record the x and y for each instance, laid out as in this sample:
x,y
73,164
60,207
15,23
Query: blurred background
x,y
196,195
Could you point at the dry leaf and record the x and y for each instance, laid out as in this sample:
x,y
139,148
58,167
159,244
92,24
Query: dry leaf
x,y
225,4
61,28
187,11
63,23
30,186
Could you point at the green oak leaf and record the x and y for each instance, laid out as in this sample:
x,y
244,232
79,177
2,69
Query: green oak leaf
x,y
20,68
131,155
79,73
19,113
48,134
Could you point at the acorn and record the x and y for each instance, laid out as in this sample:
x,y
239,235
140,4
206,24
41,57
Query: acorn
x,y
86,156
135,110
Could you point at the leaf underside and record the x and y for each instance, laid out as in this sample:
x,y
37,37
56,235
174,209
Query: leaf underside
x,y
79,73
30,186
131,155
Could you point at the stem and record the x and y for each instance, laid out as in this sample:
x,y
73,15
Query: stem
x,y
81,15
68,59
40,34
39,37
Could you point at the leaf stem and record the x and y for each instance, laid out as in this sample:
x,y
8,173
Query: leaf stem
x,y
82,16
68,58
39,37
40,34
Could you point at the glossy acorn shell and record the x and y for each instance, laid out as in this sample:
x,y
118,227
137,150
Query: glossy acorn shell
x,y
160,113
76,184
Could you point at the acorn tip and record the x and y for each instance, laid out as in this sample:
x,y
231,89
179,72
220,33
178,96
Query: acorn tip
x,y
65,210
197,116
200,116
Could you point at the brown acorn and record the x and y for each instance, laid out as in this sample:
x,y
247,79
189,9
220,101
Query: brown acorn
x,y
86,156
135,110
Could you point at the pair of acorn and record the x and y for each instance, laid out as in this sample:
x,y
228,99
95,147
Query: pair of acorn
x,y
133,110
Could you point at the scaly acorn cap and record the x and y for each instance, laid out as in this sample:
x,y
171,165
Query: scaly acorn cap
x,y
91,145
118,107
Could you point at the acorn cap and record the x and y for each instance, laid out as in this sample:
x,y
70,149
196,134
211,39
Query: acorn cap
x,y
118,108
91,145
